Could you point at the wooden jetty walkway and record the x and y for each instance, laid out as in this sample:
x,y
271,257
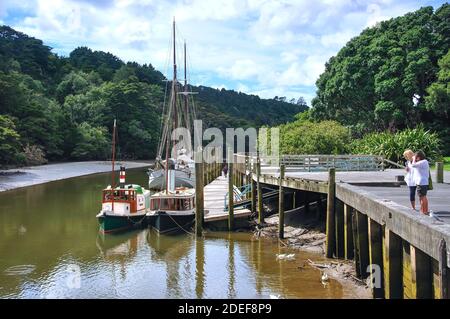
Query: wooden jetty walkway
x,y
214,194
368,218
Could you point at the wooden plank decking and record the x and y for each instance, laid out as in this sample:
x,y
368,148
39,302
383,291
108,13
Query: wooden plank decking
x,y
214,198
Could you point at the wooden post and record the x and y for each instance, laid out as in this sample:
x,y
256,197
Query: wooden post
x,y
281,204
443,270
362,242
253,191
376,258
339,223
230,193
392,264
260,197
330,243
199,202
421,279
439,172
348,232
355,244
406,271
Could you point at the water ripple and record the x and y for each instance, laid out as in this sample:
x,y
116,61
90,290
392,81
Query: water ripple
x,y
20,270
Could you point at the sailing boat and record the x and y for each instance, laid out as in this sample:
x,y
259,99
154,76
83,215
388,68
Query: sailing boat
x,y
177,115
172,207
123,207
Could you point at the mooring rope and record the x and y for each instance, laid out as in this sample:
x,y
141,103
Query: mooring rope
x,y
188,232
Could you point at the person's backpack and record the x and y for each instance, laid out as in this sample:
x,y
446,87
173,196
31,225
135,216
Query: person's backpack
x,y
430,182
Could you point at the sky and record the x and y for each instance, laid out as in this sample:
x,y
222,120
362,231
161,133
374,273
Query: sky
x,y
268,48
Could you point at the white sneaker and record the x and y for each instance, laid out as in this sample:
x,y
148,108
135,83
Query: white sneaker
x,y
431,213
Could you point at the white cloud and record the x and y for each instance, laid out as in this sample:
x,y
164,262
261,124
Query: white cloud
x,y
256,46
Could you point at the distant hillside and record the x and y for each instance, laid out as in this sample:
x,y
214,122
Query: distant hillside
x,y
58,108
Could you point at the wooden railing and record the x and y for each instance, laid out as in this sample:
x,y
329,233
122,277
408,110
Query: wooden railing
x,y
319,163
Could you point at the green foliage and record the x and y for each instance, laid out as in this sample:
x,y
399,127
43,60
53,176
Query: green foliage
x,y
61,105
93,143
10,148
392,145
380,79
237,109
306,137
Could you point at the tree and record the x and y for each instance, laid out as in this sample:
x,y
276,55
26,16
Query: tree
x,y
10,147
379,79
93,143
305,137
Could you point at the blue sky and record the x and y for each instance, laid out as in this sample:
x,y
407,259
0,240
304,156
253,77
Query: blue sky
x,y
268,48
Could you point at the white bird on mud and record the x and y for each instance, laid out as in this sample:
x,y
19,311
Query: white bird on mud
x,y
324,278
285,256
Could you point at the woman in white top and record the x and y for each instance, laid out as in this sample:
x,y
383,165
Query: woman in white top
x,y
409,177
421,170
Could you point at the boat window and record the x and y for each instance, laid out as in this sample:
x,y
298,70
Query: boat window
x,y
154,204
119,195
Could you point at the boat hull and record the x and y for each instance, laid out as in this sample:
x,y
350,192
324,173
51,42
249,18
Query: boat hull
x,y
166,223
115,223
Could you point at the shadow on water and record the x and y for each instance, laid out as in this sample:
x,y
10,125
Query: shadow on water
x,y
50,247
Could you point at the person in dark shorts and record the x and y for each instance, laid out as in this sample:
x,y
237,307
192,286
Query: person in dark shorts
x,y
421,176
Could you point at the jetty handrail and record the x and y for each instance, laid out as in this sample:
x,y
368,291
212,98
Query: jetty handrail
x,y
239,194
322,162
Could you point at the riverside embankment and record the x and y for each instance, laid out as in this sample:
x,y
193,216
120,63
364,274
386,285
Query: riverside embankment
x,y
33,175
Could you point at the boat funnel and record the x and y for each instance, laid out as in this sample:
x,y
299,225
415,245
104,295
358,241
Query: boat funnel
x,y
122,177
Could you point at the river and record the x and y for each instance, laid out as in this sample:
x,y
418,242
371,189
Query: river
x,y
50,247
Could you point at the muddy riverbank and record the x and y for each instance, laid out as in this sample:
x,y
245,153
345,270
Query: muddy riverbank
x,y
309,235
33,175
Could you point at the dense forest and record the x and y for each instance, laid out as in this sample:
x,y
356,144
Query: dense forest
x,y
392,77
62,108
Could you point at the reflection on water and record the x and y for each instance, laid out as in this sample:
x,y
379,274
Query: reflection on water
x,y
50,248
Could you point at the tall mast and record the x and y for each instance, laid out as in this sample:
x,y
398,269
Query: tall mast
x,y
174,107
186,111
174,82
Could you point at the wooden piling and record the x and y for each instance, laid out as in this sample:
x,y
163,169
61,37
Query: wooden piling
x,y
362,240
260,197
199,196
406,271
348,232
339,224
443,270
421,279
392,264
376,258
281,204
439,172
330,231
355,245
230,195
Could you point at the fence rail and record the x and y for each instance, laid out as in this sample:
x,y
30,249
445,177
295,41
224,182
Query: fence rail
x,y
318,163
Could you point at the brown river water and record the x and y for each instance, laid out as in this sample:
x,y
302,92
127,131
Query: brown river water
x,y
50,247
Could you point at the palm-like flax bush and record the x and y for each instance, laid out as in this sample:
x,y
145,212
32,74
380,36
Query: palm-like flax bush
x,y
392,145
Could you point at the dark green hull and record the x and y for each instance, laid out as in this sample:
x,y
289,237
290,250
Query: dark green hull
x,y
111,224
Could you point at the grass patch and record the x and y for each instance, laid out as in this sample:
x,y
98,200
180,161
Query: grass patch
x,y
446,164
